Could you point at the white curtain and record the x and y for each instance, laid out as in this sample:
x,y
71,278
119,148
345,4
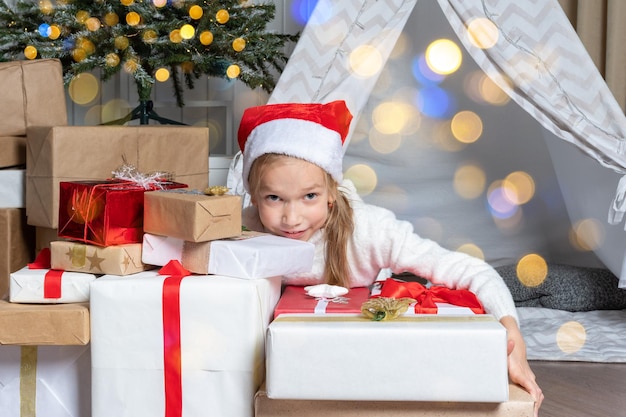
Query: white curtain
x,y
538,60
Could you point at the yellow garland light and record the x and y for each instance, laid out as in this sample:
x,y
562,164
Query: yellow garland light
x,y
233,71
127,2
133,18
195,12
46,6
187,31
206,38
239,44
159,3
79,54
30,52
87,46
222,16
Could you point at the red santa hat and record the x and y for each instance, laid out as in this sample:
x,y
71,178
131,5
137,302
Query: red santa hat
x,y
311,131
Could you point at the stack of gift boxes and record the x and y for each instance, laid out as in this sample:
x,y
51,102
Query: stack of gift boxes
x,y
155,302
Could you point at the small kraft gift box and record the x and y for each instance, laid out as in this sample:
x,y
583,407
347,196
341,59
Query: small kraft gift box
x,y
122,259
192,215
168,343
103,213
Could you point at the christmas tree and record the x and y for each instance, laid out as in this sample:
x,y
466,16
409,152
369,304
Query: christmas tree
x,y
149,39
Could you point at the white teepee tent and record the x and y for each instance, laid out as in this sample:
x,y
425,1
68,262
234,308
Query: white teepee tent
x,y
563,128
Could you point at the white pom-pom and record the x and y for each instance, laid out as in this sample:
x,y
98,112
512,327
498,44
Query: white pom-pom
x,y
325,291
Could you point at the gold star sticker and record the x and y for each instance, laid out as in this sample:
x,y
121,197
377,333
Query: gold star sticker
x,y
95,260
126,262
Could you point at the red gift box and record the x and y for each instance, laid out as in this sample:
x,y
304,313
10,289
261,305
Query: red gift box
x,y
104,213
295,300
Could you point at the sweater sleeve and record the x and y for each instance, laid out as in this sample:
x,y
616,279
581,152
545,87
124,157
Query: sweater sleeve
x,y
383,241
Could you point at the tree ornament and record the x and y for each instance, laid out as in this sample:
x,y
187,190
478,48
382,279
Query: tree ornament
x,y
222,16
187,31
112,59
206,38
175,36
82,16
195,12
233,71
55,32
30,52
121,42
111,19
93,24
239,44
127,2
133,18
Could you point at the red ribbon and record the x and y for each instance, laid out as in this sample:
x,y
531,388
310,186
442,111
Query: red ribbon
x,y
427,297
171,338
52,279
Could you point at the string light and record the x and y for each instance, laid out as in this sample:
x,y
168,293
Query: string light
x,y
30,52
222,16
239,44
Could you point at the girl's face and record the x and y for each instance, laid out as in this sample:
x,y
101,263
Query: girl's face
x,y
292,198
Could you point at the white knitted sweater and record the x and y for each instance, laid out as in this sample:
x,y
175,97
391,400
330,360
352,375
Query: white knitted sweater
x,y
382,241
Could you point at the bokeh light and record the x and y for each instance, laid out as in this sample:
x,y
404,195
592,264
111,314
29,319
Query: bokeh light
x,y
301,10
44,30
443,56
571,337
512,224
46,6
384,143
133,18
187,31
206,38
392,117
492,93
239,44
423,73
482,33
587,235
434,101
366,61
532,270
222,16
127,2
115,109
30,52
162,74
471,249
55,32
499,205
111,19
195,12
519,187
363,177
82,16
466,126
159,3
84,88
233,71
150,36
93,24
112,59
121,42
175,36
469,181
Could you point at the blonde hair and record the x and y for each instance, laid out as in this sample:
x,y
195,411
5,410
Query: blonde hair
x,y
337,229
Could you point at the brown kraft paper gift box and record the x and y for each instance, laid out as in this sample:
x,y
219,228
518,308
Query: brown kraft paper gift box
x,y
37,324
520,404
32,95
12,151
16,243
77,153
191,216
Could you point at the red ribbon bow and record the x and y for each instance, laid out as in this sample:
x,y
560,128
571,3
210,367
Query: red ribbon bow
x,y
427,297
171,337
52,279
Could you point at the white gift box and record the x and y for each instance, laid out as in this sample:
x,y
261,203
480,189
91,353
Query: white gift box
x,y
12,188
50,381
28,286
411,358
250,256
223,323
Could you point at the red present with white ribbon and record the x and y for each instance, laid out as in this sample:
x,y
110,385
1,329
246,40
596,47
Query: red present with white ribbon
x,y
37,283
176,345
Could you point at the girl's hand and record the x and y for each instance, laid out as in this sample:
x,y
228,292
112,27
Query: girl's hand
x,y
519,369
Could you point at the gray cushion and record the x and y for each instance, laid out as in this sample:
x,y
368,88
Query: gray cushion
x,y
569,288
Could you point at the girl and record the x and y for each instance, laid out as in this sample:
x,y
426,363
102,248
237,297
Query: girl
x,y
292,169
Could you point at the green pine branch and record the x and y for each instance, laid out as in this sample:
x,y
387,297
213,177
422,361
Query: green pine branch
x,y
113,45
